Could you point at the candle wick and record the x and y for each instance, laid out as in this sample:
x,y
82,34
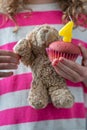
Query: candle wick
x,y
70,18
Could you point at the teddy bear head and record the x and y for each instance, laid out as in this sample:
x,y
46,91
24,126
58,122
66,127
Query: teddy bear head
x,y
41,37
36,42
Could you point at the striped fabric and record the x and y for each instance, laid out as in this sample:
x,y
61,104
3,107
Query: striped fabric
x,y
15,113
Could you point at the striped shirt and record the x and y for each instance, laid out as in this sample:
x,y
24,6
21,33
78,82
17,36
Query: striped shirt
x,y
15,112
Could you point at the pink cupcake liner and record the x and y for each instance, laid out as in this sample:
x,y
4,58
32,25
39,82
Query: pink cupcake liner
x,y
52,54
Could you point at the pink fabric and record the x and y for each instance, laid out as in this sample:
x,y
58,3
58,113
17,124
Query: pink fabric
x,y
43,17
18,82
15,83
28,114
8,46
31,19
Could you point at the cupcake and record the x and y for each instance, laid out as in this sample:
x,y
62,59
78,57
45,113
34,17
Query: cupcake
x,y
59,49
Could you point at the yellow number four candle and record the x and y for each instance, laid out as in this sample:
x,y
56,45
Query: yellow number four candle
x,y
66,32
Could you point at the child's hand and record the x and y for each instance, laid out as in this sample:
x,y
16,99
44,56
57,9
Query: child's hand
x,y
71,70
8,61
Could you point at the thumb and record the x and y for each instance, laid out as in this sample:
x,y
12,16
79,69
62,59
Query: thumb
x,y
84,54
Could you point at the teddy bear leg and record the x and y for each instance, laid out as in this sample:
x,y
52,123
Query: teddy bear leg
x,y
38,97
62,98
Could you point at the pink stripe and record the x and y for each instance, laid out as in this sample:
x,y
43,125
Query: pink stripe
x,y
86,111
80,84
28,114
9,46
77,41
21,82
15,83
69,83
84,87
35,18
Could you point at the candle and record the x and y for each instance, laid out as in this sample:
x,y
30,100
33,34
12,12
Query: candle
x,y
66,32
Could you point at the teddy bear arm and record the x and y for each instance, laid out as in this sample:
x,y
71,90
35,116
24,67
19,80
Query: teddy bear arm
x,y
24,49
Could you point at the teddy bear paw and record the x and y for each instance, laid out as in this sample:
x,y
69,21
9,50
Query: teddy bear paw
x,y
63,99
38,104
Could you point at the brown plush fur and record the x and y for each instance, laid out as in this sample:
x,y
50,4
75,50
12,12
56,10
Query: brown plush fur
x,y
46,82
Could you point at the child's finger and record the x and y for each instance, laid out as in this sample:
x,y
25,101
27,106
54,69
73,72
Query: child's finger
x,y
67,75
84,55
83,51
8,59
8,53
7,66
67,72
73,66
5,74
62,73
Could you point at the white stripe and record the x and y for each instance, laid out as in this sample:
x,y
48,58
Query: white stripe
x,y
40,7
22,69
79,60
14,99
78,93
6,35
19,98
69,124
44,7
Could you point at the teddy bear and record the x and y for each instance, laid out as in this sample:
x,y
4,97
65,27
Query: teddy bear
x,y
46,83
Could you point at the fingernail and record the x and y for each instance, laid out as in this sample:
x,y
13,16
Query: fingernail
x,y
55,62
61,59
80,45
